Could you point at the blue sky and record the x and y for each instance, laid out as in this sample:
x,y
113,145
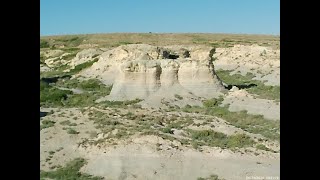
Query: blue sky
x,y
163,16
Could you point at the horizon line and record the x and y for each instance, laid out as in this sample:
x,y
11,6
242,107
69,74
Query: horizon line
x,y
73,34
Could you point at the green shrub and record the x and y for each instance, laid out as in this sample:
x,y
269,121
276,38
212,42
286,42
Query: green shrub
x,y
212,102
80,100
52,95
72,131
66,122
263,147
239,140
46,124
178,96
92,85
44,44
167,130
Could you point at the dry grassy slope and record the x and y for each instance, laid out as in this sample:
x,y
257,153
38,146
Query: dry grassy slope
x,y
148,157
216,40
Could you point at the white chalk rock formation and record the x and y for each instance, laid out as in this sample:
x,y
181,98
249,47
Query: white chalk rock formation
x,y
85,56
149,72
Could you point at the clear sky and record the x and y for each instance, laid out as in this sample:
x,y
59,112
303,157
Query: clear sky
x,y
163,16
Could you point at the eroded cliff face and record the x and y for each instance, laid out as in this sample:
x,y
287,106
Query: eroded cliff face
x,y
145,72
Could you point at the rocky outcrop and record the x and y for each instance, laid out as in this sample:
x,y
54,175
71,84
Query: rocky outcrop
x,y
51,53
264,62
146,72
85,56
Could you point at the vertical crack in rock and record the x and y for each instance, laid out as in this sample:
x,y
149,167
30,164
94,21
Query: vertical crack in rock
x,y
158,74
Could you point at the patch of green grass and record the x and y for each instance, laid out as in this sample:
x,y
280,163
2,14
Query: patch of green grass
x,y
211,177
263,147
93,85
120,104
66,122
72,41
68,99
178,96
51,152
167,130
71,50
212,102
73,124
44,44
46,124
235,79
217,139
266,92
72,131
124,43
262,90
71,171
82,66
86,85
256,124
58,71
80,100
52,95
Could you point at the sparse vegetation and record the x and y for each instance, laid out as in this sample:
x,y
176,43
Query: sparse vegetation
x,y
46,124
250,123
44,44
252,86
70,171
82,66
51,95
120,104
263,147
217,139
114,39
72,131
211,177
178,96
58,71
209,103
66,122
167,130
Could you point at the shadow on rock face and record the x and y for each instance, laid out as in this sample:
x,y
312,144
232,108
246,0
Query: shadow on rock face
x,y
43,114
242,86
55,79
